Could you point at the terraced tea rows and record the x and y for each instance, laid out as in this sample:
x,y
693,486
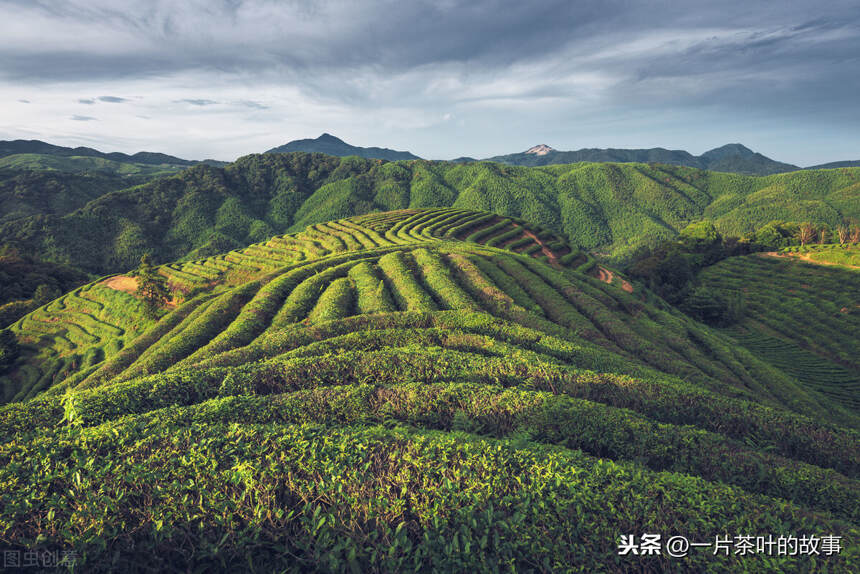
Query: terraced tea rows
x,y
55,348
824,376
379,230
71,335
800,317
422,389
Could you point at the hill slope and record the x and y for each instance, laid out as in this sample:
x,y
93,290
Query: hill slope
x,y
610,208
734,158
385,391
800,317
330,145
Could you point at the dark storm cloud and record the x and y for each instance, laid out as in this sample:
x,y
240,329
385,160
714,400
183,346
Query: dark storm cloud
x,y
83,118
413,63
112,99
730,43
132,37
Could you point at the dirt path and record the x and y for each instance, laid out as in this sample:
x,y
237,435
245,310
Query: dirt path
x,y
804,257
552,257
608,276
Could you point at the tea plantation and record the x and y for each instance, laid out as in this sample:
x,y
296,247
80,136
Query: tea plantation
x,y
432,389
801,317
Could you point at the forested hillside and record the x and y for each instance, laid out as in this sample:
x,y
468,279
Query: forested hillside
x,y
609,208
34,193
85,164
398,389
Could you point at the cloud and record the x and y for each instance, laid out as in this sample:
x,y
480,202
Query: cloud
x,y
78,118
24,101
86,101
196,102
509,73
253,105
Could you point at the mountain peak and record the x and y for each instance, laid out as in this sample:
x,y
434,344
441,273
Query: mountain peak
x,y
728,150
541,149
331,145
327,137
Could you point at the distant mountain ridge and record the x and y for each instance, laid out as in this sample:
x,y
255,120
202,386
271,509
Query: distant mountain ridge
x,y
16,147
331,145
728,158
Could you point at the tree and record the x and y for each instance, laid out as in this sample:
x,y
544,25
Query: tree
x,y
844,233
45,294
151,287
8,349
855,235
806,233
774,235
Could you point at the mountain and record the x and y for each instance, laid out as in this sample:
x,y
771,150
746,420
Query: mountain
x,y
328,144
541,149
610,208
737,158
734,158
8,148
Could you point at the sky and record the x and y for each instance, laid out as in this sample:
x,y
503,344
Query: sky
x,y
224,78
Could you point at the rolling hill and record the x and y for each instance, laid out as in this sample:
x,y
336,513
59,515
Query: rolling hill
x,y
37,147
85,164
612,209
330,145
734,158
391,390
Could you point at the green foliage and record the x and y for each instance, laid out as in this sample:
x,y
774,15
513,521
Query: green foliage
x,y
8,349
204,210
21,278
774,235
798,316
151,287
377,394
714,308
45,294
86,165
